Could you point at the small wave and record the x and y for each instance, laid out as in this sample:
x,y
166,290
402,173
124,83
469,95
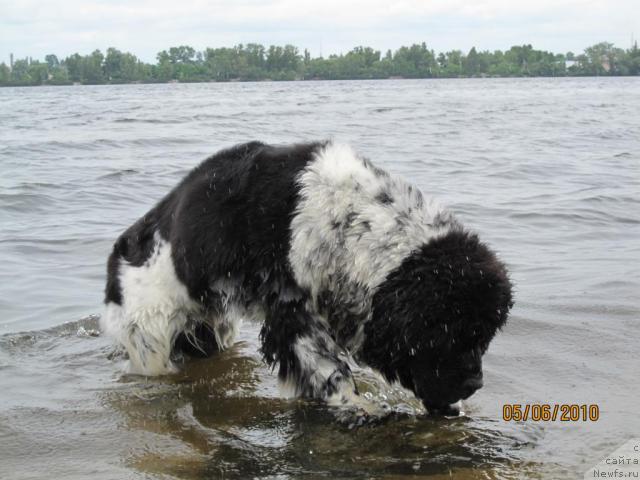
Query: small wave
x,y
118,174
36,186
85,327
143,120
21,202
214,116
99,144
577,216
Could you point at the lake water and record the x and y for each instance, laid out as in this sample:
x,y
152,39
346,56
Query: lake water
x,y
547,170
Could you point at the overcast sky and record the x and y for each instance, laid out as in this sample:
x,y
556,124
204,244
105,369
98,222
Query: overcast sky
x,y
144,27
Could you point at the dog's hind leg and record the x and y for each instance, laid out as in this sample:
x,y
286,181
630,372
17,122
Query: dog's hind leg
x,y
310,363
147,306
147,336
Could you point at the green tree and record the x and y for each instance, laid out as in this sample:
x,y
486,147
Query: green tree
x,y
92,71
38,72
415,61
182,54
20,72
122,67
632,60
60,76
5,74
255,62
52,61
472,63
75,67
453,62
164,70
219,63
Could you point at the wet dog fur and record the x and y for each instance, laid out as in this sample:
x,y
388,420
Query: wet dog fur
x,y
337,258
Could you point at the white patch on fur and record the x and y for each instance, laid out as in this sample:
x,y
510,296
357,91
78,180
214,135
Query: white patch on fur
x,y
344,238
315,367
458,406
227,326
155,309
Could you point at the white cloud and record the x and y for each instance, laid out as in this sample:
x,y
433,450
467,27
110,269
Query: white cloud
x,y
144,27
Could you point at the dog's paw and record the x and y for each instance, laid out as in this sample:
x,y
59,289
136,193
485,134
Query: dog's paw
x,y
359,412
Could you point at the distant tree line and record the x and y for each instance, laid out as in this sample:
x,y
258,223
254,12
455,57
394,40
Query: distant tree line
x,y
256,62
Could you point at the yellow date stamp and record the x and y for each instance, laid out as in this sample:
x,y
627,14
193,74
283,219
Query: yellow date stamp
x,y
547,412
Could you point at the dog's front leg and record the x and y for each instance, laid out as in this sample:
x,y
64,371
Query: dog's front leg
x,y
309,360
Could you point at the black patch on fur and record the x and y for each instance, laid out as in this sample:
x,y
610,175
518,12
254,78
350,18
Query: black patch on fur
x,y
350,218
229,216
440,221
384,198
203,344
378,172
435,315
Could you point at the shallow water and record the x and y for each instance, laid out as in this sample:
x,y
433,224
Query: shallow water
x,y
547,170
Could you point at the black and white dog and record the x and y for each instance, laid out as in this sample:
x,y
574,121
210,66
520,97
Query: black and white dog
x,y
337,258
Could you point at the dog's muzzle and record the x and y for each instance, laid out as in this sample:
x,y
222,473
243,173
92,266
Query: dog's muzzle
x,y
470,385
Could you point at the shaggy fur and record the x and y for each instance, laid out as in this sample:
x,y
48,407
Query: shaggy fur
x,y
333,255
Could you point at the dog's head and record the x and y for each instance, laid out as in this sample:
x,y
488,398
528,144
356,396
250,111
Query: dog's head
x,y
434,317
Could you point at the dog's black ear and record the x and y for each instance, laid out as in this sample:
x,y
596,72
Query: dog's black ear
x,y
470,285
452,289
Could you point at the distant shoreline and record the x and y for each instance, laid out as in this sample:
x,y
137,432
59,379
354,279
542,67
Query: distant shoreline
x,y
254,62
307,80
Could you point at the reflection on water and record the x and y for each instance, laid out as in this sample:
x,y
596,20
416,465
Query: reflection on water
x,y
224,417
